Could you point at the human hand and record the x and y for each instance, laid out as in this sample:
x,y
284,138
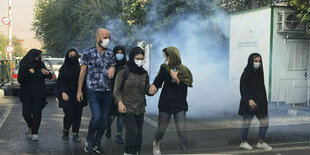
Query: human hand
x,y
31,70
153,90
121,107
111,72
252,104
44,71
65,96
79,96
174,74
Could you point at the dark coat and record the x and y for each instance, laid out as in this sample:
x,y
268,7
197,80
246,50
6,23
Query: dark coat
x,y
69,86
32,84
119,66
173,96
68,82
252,87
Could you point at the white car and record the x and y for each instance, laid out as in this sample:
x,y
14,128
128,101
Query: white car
x,y
56,63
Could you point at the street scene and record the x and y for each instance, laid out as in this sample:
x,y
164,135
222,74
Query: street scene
x,y
152,77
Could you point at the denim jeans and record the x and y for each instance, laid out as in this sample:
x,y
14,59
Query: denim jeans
x,y
180,122
133,133
119,124
99,103
246,123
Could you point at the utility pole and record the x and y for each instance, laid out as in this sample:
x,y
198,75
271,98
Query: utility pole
x,y
10,27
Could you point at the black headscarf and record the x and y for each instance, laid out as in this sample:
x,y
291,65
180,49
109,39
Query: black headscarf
x,y
71,65
122,62
29,61
133,68
251,71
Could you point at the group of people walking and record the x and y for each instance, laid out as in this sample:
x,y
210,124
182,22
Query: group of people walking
x,y
113,86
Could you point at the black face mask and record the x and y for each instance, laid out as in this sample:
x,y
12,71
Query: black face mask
x,y
73,60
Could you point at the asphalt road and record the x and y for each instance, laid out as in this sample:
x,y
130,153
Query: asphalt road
x,y
287,134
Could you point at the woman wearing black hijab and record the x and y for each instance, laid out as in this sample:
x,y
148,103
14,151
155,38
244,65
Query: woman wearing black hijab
x,y
67,84
31,75
129,94
120,56
253,101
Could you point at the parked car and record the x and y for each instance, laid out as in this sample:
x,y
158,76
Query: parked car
x,y
49,83
56,63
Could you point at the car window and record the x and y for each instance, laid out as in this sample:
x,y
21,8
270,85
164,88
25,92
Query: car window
x,y
57,62
47,65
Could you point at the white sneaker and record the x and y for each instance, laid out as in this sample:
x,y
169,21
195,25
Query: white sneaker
x,y
35,137
246,146
264,146
156,148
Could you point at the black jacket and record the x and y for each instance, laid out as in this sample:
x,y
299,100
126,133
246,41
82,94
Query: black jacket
x,y
173,96
32,84
252,87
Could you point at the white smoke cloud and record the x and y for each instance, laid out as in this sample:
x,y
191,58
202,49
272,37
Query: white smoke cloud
x,y
204,51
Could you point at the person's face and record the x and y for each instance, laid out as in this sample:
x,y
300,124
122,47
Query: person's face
x,y
166,57
72,54
38,57
257,59
103,35
139,57
119,52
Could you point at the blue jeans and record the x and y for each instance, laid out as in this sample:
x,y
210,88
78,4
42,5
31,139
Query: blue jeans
x,y
99,103
119,123
246,123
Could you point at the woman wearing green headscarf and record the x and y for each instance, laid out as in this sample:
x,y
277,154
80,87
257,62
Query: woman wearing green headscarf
x,y
176,78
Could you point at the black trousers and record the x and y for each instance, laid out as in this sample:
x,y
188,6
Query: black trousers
x,y
32,113
73,113
180,123
133,132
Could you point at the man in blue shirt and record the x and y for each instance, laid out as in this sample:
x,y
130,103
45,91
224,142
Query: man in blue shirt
x,y
97,64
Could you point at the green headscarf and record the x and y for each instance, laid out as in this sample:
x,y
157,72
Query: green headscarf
x,y
184,74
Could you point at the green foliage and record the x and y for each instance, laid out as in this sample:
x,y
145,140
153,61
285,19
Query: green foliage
x,y
64,24
4,41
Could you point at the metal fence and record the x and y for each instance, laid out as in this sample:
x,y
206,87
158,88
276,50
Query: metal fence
x,y
5,71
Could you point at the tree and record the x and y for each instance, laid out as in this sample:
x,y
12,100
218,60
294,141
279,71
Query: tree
x,y
303,8
232,6
18,49
64,24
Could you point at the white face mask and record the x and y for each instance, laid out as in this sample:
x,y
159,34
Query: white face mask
x,y
256,65
139,63
105,43
166,62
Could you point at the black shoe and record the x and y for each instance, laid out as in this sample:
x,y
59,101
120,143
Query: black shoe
x,y
119,139
87,148
76,138
108,133
65,135
98,149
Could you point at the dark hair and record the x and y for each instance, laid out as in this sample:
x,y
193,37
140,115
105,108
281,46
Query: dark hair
x,y
165,51
117,48
135,51
72,49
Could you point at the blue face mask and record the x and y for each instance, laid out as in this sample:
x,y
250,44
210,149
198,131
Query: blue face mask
x,y
119,57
